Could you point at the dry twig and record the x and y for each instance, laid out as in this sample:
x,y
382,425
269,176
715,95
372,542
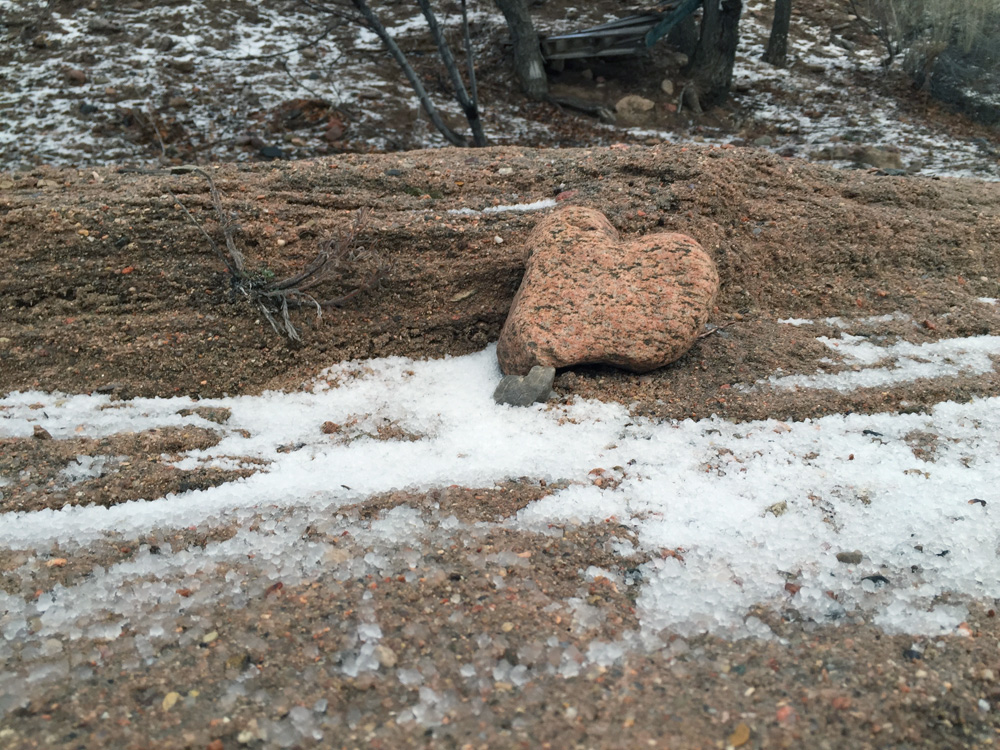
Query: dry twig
x,y
273,298
706,334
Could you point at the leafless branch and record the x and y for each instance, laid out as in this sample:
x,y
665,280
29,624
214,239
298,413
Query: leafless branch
x,y
274,298
468,105
469,56
708,333
296,81
415,83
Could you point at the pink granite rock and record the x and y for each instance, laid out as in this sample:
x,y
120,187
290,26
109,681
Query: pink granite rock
x,y
590,297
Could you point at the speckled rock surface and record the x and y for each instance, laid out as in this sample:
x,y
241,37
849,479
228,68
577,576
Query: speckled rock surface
x,y
588,296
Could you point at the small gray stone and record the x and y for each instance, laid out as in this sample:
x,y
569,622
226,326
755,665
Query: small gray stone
x,y
849,558
524,390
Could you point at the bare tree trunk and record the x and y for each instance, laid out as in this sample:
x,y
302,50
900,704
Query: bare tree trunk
x,y
468,104
528,62
390,44
712,67
777,44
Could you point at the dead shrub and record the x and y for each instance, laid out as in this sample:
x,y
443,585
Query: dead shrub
x,y
274,298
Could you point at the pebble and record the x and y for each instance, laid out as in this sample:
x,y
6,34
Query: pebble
x,y
386,656
849,558
272,152
170,699
524,390
740,736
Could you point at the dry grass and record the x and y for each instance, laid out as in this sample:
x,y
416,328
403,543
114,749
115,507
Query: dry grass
x,y
274,298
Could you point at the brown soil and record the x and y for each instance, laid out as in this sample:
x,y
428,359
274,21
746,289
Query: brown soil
x,y
109,288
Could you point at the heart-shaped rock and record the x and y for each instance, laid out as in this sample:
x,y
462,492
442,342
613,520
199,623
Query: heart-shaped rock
x,y
590,297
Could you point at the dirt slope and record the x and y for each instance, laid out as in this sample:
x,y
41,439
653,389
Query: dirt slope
x,y
109,285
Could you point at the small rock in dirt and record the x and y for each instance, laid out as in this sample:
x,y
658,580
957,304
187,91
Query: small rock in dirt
x,y
87,109
177,102
667,86
837,152
170,700
777,509
217,414
272,152
41,433
877,157
764,140
849,558
877,580
246,737
107,388
386,656
524,390
590,297
76,76
740,736
102,26
633,108
182,66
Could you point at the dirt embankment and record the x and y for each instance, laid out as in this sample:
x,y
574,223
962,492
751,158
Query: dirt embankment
x,y
109,286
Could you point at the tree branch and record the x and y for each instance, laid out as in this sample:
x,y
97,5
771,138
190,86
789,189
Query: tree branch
x,y
468,106
390,44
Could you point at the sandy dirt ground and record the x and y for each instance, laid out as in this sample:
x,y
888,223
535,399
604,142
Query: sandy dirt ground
x,y
108,288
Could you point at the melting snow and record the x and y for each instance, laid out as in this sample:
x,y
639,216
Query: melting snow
x,y
903,362
748,507
535,206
